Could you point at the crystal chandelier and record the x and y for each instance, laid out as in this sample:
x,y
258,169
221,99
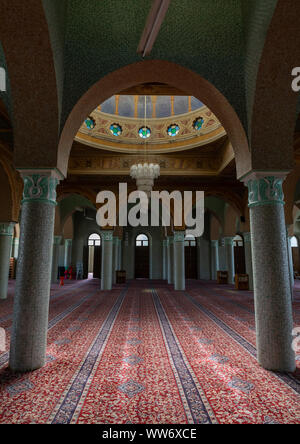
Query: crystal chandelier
x,y
145,173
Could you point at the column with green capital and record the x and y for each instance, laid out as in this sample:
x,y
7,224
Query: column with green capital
x,y
272,295
30,318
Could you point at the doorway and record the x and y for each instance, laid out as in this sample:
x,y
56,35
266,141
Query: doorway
x,y
142,254
190,253
239,255
94,256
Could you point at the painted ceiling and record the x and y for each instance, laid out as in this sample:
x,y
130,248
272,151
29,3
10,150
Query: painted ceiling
x,y
171,123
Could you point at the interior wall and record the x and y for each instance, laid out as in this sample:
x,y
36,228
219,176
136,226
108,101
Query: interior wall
x,y
5,198
155,235
83,226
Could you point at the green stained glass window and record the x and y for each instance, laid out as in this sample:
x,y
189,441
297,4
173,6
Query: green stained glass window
x,y
115,129
198,123
90,123
173,130
144,132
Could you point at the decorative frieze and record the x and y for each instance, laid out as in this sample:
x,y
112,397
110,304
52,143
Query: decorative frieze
x,y
113,164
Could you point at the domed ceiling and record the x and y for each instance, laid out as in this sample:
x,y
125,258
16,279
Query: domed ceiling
x,y
163,123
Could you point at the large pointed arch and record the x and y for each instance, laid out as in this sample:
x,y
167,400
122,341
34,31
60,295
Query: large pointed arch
x,y
164,72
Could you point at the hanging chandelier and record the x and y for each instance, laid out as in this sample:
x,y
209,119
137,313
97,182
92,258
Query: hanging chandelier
x,y
146,172
145,175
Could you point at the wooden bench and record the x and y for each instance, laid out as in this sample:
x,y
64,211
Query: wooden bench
x,y
241,281
222,277
120,276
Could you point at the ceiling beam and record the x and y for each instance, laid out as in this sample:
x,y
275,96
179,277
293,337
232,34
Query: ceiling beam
x,y
152,89
154,21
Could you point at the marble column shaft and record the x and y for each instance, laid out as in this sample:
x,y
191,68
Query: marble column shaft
x,y
229,258
165,260
68,253
120,264
170,260
31,304
107,260
115,258
214,259
273,308
179,260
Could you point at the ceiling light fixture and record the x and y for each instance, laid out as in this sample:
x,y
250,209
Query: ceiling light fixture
x,y
145,173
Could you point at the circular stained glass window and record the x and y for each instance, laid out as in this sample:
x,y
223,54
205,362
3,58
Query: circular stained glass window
x,y
90,123
144,132
115,129
198,123
173,130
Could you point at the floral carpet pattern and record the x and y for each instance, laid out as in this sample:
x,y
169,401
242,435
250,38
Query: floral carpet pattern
x,y
144,353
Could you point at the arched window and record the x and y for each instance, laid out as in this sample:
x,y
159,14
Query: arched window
x,y
94,240
142,241
190,241
238,241
294,241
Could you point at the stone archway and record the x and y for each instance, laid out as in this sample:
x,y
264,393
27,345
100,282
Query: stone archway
x,y
164,72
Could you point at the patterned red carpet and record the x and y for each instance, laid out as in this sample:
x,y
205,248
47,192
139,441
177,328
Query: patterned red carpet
x,y
147,354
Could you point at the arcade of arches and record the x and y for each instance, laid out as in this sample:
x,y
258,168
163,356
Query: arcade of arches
x,y
153,311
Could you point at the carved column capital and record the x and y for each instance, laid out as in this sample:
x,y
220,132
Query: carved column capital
x,y
264,188
40,185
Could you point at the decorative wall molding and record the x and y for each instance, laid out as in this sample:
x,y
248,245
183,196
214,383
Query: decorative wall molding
x,y
116,164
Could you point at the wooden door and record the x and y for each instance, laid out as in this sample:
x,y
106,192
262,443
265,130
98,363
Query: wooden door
x,y
190,253
97,262
142,262
239,260
85,260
